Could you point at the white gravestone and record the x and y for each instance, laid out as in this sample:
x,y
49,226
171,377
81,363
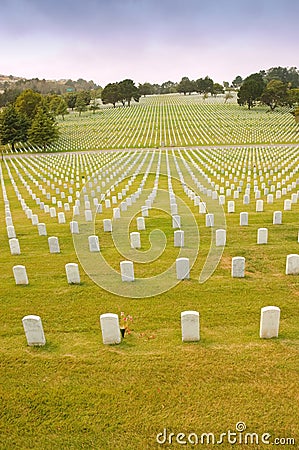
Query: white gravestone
x,y
61,217
74,227
88,215
42,230
11,232
127,271
231,206
292,264
244,219
179,238
209,220
34,332
34,219
110,329
53,244
93,242
287,206
277,218
116,213
190,326
14,246
72,273
262,236
140,223
269,323
182,268
135,239
176,221
259,207
238,267
220,237
20,274
107,224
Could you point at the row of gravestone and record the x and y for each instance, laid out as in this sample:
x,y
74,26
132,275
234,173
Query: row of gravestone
x,y
182,269
190,327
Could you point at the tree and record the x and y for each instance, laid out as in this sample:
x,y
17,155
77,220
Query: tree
x,y
237,82
145,89
70,99
128,90
111,94
28,102
186,85
204,85
13,127
58,106
217,89
169,87
293,97
81,102
275,94
43,130
251,90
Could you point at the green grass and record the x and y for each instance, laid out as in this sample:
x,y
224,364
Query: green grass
x,y
175,120
77,393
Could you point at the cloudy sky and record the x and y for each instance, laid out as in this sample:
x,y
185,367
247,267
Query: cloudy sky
x,y
146,40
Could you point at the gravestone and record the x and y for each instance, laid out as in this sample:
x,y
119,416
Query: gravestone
x,y
74,227
116,213
110,329
269,323
61,217
259,207
52,211
135,239
42,230
88,215
107,224
277,218
287,206
173,209
93,242
182,268
238,267
14,246
209,220
54,244
34,219
178,238
292,264
20,274
34,330
11,232
127,271
140,223
244,219
176,221
262,236
190,326
72,273
231,206
220,237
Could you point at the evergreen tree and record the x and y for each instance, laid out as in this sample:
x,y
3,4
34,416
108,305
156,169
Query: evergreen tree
x,y
43,130
13,127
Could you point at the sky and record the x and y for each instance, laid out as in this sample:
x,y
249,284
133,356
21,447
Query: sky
x,y
146,40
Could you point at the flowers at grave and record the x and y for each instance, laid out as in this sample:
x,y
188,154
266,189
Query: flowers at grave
x,y
125,323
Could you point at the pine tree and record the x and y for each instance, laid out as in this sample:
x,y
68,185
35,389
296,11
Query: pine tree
x,y
43,130
13,127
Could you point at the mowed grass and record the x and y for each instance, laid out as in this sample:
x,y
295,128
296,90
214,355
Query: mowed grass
x,y
174,120
77,393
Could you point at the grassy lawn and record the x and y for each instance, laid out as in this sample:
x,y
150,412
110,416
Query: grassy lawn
x,y
77,393
175,120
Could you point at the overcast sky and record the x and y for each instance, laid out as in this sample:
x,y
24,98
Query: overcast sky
x,y
146,40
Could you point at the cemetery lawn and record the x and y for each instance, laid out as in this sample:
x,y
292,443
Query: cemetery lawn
x,y
77,393
177,121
